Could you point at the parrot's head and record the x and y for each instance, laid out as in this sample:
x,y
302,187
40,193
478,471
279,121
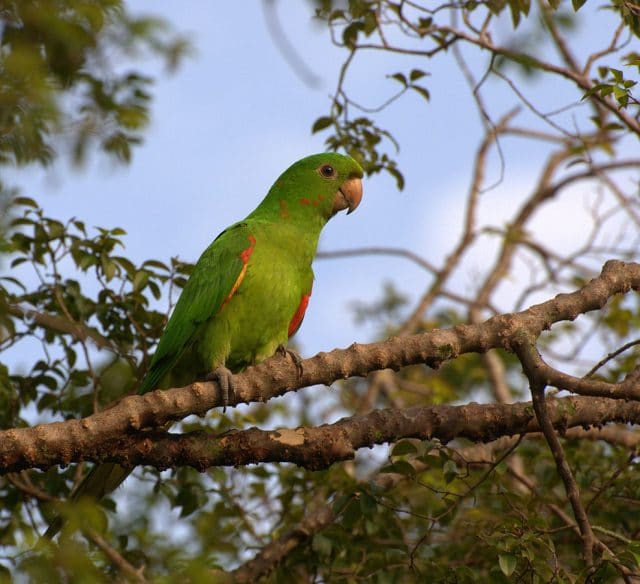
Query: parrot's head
x,y
319,185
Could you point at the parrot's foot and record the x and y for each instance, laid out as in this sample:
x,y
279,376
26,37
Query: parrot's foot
x,y
224,377
293,355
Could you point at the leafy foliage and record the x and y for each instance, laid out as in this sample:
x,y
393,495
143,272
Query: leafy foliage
x,y
615,83
106,303
59,77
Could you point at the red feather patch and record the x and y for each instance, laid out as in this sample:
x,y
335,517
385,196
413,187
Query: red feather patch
x,y
298,317
246,254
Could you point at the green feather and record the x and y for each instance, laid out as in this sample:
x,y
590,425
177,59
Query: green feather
x,y
238,303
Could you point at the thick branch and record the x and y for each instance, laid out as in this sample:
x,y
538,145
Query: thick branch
x,y
320,447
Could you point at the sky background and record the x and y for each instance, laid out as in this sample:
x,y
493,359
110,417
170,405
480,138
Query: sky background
x,y
235,115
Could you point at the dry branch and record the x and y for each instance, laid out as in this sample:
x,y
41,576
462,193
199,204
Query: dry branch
x,y
320,447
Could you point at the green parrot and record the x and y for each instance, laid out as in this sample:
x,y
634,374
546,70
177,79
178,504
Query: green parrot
x,y
248,291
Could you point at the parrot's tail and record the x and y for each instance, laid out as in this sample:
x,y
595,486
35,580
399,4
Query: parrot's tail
x,y
102,480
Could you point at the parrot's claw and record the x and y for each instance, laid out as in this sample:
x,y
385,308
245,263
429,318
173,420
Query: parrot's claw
x,y
294,356
224,377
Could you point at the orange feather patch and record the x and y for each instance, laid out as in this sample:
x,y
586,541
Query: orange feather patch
x,y
244,256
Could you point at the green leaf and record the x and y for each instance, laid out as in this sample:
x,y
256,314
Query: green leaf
x,y
595,89
17,262
416,74
47,402
155,289
351,514
395,173
190,498
404,447
156,264
507,563
350,34
368,505
422,91
321,123
56,229
523,59
86,261
140,280
48,381
22,221
25,202
400,78
634,549
619,92
322,545
514,7
577,4
110,268
14,281
450,471
79,225
616,74
370,22
126,264
340,503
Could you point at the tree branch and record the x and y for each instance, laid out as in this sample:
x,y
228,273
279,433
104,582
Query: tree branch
x,y
320,447
131,573
73,440
78,331
528,355
274,552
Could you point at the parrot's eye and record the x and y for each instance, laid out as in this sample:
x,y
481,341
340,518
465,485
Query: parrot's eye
x,y
327,171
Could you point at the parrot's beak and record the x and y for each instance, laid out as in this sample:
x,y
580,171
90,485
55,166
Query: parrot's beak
x,y
348,196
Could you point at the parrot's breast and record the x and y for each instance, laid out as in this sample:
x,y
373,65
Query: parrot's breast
x,y
267,305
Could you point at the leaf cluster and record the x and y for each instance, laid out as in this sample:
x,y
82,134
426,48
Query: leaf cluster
x,y
60,77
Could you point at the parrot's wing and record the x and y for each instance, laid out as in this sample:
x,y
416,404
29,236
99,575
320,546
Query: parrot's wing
x,y
215,278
